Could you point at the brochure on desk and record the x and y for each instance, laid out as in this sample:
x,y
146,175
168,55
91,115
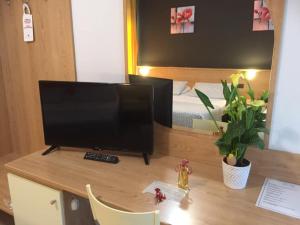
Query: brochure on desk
x,y
280,197
172,193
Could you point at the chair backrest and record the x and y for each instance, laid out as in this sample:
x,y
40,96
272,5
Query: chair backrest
x,y
208,125
105,215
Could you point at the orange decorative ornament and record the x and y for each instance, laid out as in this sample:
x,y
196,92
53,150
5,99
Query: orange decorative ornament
x,y
184,170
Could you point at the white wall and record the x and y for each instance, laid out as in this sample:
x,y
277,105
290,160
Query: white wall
x,y
98,27
285,130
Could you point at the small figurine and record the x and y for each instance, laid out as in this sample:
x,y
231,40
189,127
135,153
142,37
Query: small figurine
x,y
159,195
184,170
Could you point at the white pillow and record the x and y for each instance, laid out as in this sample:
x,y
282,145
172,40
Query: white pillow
x,y
191,93
186,90
179,86
212,90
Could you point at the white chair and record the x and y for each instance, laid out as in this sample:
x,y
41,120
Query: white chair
x,y
105,215
208,125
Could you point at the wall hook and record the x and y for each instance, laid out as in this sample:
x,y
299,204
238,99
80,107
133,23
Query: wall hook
x,y
7,2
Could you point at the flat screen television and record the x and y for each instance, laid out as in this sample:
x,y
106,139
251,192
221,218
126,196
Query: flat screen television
x,y
97,115
163,97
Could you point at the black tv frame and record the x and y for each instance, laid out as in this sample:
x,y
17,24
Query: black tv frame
x,y
57,147
163,97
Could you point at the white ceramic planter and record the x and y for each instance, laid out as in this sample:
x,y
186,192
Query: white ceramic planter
x,y
235,177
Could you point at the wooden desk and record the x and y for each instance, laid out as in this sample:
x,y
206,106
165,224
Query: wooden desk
x,y
121,185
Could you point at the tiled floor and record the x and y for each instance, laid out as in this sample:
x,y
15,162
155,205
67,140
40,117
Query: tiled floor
x,y
6,219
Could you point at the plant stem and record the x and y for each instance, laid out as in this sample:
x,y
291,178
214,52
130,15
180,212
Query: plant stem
x,y
213,118
250,88
241,159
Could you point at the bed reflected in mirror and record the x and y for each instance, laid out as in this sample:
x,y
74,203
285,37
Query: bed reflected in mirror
x,y
189,112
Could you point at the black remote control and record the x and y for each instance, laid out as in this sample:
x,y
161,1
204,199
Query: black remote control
x,y
101,157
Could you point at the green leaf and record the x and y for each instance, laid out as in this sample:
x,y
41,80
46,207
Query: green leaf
x,y
240,110
260,143
233,94
204,99
260,124
249,119
243,100
226,91
241,150
257,141
263,130
224,149
261,116
257,103
265,96
251,94
234,130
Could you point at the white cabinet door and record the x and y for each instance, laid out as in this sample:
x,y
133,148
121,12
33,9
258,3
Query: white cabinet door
x,y
35,204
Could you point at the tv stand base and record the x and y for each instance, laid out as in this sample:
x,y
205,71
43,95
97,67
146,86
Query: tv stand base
x,y
49,150
146,158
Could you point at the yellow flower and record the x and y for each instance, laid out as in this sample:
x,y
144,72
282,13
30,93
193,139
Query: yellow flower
x,y
235,78
231,160
257,103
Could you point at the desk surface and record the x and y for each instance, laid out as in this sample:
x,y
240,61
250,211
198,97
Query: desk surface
x,y
121,185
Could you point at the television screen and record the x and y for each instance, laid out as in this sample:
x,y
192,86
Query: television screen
x,y
136,117
163,97
107,116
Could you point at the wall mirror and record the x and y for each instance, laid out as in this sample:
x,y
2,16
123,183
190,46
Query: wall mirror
x,y
199,43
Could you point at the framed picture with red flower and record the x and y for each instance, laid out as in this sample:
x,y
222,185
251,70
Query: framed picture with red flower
x,y
182,20
262,20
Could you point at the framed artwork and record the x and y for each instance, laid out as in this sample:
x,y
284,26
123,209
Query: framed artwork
x,y
182,20
262,20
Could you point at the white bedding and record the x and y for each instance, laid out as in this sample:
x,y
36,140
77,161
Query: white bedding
x,y
187,108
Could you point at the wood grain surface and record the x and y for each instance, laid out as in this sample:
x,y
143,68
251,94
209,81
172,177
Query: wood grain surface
x,y
49,57
209,201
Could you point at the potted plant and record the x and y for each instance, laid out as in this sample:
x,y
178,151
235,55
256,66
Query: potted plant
x,y
246,123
